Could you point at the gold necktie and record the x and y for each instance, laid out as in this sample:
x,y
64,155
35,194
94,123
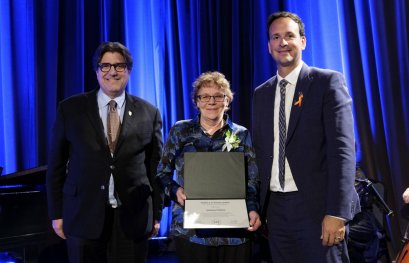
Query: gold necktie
x,y
113,125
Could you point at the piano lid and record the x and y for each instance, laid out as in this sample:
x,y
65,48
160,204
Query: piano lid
x,y
31,176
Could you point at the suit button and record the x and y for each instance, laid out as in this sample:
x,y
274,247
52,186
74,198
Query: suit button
x,y
102,187
112,167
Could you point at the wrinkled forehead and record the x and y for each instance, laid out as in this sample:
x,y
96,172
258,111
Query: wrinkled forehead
x,y
210,87
112,57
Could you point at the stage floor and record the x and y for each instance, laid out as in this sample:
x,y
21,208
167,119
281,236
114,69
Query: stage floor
x,y
166,257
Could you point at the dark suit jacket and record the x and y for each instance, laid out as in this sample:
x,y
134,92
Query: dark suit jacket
x,y
80,165
320,145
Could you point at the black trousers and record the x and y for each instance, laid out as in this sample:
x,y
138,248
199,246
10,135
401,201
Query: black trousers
x,y
111,247
189,252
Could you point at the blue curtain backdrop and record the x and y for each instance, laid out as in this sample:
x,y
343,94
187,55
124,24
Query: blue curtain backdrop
x,y
46,49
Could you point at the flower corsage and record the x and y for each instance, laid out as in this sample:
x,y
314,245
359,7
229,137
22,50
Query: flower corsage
x,y
232,141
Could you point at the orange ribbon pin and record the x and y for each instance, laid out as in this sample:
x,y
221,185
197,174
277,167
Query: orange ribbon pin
x,y
299,100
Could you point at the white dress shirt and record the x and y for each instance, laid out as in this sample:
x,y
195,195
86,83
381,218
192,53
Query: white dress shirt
x,y
289,183
103,101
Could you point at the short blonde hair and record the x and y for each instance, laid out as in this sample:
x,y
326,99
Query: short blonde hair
x,y
212,78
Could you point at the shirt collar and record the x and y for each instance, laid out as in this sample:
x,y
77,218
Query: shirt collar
x,y
293,76
104,99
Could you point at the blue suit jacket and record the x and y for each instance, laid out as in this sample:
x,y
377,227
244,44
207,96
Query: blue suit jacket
x,y
320,145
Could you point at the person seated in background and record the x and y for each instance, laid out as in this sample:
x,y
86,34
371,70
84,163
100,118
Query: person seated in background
x,y
207,132
366,242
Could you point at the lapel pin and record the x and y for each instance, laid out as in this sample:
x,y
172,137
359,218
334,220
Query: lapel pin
x,y
130,113
299,100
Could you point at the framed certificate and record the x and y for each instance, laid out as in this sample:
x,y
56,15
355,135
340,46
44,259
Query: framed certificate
x,y
215,187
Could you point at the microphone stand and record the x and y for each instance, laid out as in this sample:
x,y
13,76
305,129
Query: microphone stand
x,y
369,184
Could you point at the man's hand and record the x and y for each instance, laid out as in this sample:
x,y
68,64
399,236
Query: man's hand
x,y
180,194
405,196
57,226
155,229
333,230
255,221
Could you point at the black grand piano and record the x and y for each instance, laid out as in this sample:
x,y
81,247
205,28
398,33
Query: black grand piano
x,y
25,229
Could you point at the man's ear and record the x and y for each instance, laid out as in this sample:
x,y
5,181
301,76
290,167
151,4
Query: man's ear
x,y
304,40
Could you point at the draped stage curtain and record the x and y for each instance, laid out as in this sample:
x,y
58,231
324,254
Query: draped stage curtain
x,y
46,49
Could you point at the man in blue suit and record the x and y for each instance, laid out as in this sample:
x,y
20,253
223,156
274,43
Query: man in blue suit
x,y
304,141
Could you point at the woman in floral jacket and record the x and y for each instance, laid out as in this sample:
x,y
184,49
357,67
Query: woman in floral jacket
x,y
210,131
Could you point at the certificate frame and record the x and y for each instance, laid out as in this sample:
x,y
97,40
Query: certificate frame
x,y
215,187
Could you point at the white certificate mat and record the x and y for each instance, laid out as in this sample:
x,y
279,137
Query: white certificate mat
x,y
225,213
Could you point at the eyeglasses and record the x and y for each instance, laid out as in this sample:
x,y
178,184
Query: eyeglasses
x,y
119,67
206,98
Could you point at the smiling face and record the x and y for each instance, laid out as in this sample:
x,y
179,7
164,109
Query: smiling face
x,y
212,111
112,83
285,44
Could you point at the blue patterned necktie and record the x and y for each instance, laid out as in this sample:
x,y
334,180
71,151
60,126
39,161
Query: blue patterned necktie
x,y
282,133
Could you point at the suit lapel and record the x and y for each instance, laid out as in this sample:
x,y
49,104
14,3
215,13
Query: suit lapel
x,y
128,121
301,90
269,121
93,115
